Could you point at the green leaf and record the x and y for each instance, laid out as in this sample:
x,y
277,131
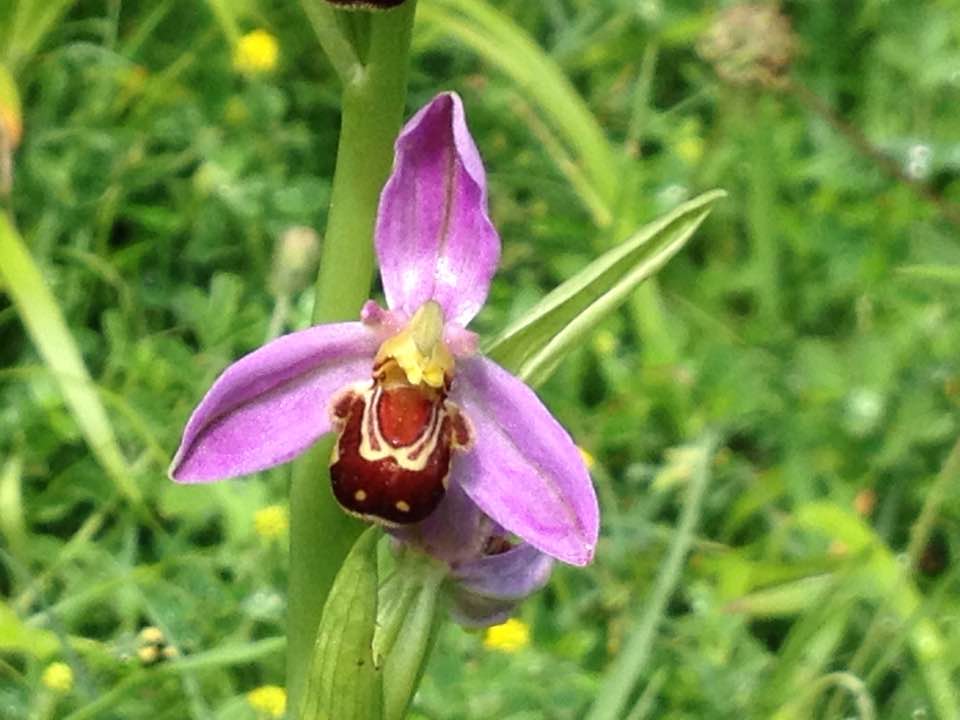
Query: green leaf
x,y
41,315
532,346
406,629
395,598
343,682
228,655
802,705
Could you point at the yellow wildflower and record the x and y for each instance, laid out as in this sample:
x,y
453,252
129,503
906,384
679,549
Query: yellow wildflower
x,y
508,637
256,52
269,700
271,522
58,677
690,149
151,635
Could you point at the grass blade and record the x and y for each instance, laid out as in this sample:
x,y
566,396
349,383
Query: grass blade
x,y
532,347
45,324
622,676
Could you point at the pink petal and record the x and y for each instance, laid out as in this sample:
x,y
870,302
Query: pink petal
x,y
434,238
271,405
525,471
510,575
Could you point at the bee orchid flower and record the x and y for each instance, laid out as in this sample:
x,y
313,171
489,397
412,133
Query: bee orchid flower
x,y
418,414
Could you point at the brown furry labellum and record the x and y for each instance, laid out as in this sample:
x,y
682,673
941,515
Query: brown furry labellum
x,y
396,441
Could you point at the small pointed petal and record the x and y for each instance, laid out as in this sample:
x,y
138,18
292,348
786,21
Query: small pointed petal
x,y
525,471
510,575
434,238
489,589
272,404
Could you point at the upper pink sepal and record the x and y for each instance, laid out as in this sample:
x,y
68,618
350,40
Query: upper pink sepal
x,y
434,238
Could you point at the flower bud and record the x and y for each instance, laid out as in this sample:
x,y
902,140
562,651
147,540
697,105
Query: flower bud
x,y
750,44
365,4
294,260
58,677
152,646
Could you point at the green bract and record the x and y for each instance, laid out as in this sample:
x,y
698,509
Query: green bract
x,y
413,622
533,345
343,682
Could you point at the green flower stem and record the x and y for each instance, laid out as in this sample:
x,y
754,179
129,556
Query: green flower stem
x,y
340,51
373,103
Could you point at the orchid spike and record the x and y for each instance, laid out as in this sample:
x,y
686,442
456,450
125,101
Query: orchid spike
x,y
417,412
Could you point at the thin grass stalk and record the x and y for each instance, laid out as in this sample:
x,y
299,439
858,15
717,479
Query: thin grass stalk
x,y
621,679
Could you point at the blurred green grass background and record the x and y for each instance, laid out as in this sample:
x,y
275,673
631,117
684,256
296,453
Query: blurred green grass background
x,y
800,566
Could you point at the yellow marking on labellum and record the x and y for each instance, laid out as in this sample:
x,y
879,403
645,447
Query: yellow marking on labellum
x,y
402,506
419,349
360,496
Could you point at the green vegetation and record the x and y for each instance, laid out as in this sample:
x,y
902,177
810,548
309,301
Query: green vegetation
x,y
773,419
